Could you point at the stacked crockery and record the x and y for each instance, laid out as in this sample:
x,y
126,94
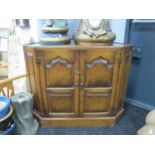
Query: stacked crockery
x,y
55,32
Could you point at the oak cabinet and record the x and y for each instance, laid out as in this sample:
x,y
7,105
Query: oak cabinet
x,y
78,85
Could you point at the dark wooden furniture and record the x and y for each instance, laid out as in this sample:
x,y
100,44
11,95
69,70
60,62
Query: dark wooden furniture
x,y
78,85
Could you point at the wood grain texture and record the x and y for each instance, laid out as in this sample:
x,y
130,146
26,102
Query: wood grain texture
x,y
78,85
79,121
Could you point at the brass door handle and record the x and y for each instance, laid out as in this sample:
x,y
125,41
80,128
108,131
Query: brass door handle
x,y
81,84
76,84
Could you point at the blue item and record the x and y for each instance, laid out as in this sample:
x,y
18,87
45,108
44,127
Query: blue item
x,y
11,129
5,120
4,109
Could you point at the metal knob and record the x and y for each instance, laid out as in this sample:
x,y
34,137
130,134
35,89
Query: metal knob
x,y
81,83
76,84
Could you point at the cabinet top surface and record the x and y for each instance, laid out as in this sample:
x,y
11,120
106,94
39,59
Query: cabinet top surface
x,y
114,45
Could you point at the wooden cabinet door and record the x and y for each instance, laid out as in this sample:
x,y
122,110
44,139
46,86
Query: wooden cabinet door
x,y
58,82
98,79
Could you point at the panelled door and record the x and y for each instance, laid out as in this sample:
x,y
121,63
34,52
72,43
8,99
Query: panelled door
x,y
98,78
59,81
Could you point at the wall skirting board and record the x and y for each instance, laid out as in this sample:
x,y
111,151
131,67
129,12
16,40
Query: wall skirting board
x,y
139,104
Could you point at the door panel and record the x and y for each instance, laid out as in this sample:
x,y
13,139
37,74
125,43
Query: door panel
x,y
57,68
96,102
60,102
97,72
58,83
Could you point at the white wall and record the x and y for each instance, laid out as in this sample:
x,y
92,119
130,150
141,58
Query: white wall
x,y
35,31
118,27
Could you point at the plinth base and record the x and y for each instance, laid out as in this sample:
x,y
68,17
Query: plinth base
x,y
79,121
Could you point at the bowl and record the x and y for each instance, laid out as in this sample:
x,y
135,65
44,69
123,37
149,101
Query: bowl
x,y
4,106
5,120
10,129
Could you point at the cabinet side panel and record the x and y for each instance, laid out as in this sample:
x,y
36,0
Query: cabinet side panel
x,y
115,80
32,74
123,78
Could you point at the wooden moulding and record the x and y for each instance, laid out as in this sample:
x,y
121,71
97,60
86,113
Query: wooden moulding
x,y
79,121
